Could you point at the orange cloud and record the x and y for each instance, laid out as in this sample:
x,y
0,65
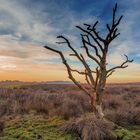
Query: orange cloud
x,y
18,62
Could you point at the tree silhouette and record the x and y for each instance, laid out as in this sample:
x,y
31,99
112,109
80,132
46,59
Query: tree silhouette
x,y
96,79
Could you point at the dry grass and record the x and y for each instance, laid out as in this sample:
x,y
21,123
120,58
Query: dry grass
x,y
90,128
121,105
66,104
121,102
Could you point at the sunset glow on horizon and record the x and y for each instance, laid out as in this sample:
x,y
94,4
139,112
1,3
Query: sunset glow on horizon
x,y
26,26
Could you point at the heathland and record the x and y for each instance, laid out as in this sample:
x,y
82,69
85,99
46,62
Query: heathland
x,y
40,111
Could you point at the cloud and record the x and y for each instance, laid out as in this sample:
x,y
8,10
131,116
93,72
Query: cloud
x,y
26,26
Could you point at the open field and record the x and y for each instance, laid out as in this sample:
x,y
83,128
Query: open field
x,y
63,112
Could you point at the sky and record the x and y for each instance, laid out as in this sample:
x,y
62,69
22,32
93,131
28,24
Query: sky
x,y
27,25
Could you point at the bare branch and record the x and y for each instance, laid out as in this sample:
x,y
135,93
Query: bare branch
x,y
75,52
112,34
71,54
95,23
68,69
87,80
79,72
107,25
69,45
97,77
93,29
87,51
89,72
97,34
119,20
81,58
110,73
61,42
86,37
92,36
88,25
114,12
123,65
83,73
93,46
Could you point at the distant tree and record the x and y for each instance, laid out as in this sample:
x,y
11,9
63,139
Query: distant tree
x,y
96,79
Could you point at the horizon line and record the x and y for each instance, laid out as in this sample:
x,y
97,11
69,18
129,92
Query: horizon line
x,y
65,81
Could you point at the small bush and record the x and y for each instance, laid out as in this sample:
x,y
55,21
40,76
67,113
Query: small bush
x,y
71,109
125,116
113,102
89,128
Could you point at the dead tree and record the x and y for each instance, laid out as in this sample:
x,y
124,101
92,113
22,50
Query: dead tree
x,y
95,78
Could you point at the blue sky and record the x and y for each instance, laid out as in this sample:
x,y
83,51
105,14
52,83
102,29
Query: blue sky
x,y
27,25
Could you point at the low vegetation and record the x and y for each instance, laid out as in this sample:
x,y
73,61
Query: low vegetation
x,y
33,127
52,112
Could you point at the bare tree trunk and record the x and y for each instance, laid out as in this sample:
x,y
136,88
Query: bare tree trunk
x,y
93,101
96,103
99,110
100,91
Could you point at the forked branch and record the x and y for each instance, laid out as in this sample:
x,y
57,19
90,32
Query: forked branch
x,y
112,29
122,66
90,44
68,69
80,58
88,81
110,73
93,29
79,72
87,51
94,37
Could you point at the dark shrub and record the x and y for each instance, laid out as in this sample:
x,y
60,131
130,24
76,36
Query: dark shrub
x,y
89,128
1,127
125,116
71,109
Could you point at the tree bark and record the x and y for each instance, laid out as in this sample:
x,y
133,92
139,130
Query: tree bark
x,y
100,91
99,113
96,103
99,110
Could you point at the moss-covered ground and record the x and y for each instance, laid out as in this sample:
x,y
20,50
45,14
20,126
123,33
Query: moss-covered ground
x,y
33,127
131,133
29,127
